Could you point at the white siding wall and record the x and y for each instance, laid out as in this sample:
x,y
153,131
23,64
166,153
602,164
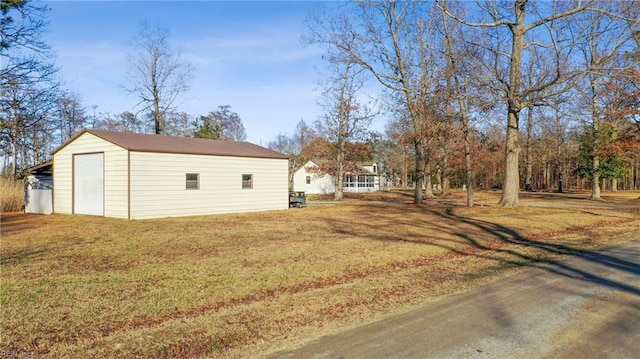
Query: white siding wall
x,y
158,185
376,181
115,175
38,201
370,168
37,194
319,184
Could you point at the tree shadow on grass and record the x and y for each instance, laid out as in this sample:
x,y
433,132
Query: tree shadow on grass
x,y
11,223
492,241
611,258
616,269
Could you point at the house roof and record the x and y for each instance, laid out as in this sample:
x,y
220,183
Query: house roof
x,y
182,145
311,163
362,166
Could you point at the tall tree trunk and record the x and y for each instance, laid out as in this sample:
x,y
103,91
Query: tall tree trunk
x,y
36,149
548,175
444,179
157,119
24,157
561,164
595,179
14,156
511,182
512,152
468,178
339,172
528,152
445,173
428,185
417,193
14,134
560,189
595,176
403,180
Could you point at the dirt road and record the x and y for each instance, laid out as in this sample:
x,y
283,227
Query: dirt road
x,y
585,307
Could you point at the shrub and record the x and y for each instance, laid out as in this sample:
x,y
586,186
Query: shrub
x,y
11,195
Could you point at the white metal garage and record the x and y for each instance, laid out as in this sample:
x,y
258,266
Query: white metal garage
x,y
138,176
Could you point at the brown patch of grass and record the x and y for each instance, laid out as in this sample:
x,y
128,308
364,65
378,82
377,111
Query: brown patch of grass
x,y
248,284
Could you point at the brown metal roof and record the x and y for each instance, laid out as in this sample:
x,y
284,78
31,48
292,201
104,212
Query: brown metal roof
x,y
45,167
183,145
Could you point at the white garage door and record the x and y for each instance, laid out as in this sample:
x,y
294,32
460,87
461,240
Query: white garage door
x,y
88,184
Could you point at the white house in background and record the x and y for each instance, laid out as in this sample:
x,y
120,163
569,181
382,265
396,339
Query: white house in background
x,y
137,176
308,180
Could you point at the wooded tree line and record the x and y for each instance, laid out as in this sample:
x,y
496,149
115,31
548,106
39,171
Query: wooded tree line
x,y
534,95
452,70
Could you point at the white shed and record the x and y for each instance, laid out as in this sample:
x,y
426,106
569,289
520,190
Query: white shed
x,y
38,184
137,176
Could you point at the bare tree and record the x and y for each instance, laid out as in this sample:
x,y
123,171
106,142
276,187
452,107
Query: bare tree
x,y
603,33
346,118
123,122
400,147
541,30
27,87
24,113
302,135
25,56
456,56
71,115
390,40
621,99
294,147
282,143
157,73
285,145
178,123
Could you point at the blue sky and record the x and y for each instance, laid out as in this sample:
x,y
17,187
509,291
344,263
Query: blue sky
x,y
245,54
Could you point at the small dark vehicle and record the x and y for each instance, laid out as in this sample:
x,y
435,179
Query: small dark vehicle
x,y
297,199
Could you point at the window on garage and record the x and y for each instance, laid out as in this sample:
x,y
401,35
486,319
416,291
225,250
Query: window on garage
x,y
193,181
247,181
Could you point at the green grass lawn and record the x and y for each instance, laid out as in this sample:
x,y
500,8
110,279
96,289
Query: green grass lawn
x,y
249,284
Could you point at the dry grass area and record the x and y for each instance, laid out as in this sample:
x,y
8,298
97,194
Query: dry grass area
x,y
247,285
11,194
